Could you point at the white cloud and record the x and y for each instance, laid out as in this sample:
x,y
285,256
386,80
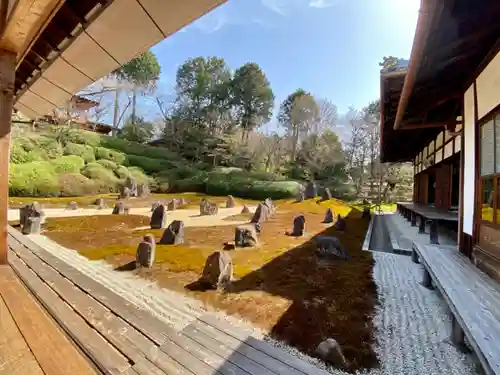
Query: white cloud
x,y
322,3
278,6
211,22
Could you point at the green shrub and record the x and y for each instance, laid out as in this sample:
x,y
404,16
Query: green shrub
x,y
97,172
139,175
195,183
108,164
108,154
132,148
35,179
122,172
84,137
84,151
68,164
49,146
148,164
76,185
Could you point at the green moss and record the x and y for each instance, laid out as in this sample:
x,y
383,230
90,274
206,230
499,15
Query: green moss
x,y
84,151
68,164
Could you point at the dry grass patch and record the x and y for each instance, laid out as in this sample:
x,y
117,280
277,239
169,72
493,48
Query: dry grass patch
x,y
281,286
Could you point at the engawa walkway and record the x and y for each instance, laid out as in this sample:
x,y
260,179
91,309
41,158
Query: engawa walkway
x,y
120,338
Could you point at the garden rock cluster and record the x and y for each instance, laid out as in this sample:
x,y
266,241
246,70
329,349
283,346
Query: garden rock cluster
x,y
146,252
245,236
120,208
174,234
31,218
131,188
263,212
208,208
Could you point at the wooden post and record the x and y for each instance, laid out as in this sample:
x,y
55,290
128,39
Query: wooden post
x,y
421,227
426,279
413,219
7,75
434,235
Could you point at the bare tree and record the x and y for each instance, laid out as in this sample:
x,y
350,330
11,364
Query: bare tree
x,y
327,116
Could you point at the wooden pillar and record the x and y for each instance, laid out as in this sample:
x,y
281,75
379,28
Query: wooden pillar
x,y
7,74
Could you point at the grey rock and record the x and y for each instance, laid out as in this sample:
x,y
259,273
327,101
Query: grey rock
x,y
158,218
311,190
328,216
207,208
131,184
218,270
366,213
245,236
230,203
300,197
172,205
125,192
31,210
299,226
261,214
270,205
245,210
330,246
143,191
146,252
72,206
327,195
32,225
119,208
330,351
100,203
174,234
340,224
126,210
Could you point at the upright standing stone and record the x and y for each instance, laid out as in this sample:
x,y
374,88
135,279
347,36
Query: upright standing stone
x,y
340,224
261,214
366,213
131,185
327,195
270,205
218,270
125,192
300,197
143,191
72,206
230,203
119,208
299,226
245,236
311,190
158,217
100,203
146,252
32,226
245,210
174,234
203,207
172,205
328,216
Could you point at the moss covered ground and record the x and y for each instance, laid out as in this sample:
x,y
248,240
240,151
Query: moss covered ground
x,y
281,286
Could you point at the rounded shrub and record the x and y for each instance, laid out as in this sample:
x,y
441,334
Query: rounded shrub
x,y
97,172
132,148
148,164
108,164
76,184
108,154
84,137
122,172
35,179
139,175
68,164
49,146
84,151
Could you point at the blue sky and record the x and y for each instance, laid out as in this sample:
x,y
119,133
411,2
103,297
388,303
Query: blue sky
x,y
328,47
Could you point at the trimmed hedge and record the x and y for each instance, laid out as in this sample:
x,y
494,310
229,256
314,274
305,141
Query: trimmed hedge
x,y
49,146
149,165
33,179
68,164
84,151
108,164
108,154
97,172
84,137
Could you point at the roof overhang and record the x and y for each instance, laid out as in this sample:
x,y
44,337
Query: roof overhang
x,y
65,45
452,39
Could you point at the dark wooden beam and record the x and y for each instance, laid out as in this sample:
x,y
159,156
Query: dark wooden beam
x,y
429,125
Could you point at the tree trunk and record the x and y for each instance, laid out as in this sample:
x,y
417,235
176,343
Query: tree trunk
x,y
134,106
116,111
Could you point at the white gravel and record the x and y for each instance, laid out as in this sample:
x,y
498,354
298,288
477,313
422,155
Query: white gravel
x,y
412,322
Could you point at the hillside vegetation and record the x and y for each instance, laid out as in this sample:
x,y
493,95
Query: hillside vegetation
x,y
75,162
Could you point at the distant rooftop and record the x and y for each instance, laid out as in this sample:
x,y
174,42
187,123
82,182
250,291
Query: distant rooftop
x,y
402,65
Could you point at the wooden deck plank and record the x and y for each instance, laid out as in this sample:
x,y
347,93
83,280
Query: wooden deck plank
x,y
106,358
473,299
133,344
293,362
431,213
137,318
53,351
234,344
16,357
226,353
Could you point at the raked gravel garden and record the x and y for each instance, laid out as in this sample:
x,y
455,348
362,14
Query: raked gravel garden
x,y
412,324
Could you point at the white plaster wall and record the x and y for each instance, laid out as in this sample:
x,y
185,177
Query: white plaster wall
x,y
469,162
488,88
